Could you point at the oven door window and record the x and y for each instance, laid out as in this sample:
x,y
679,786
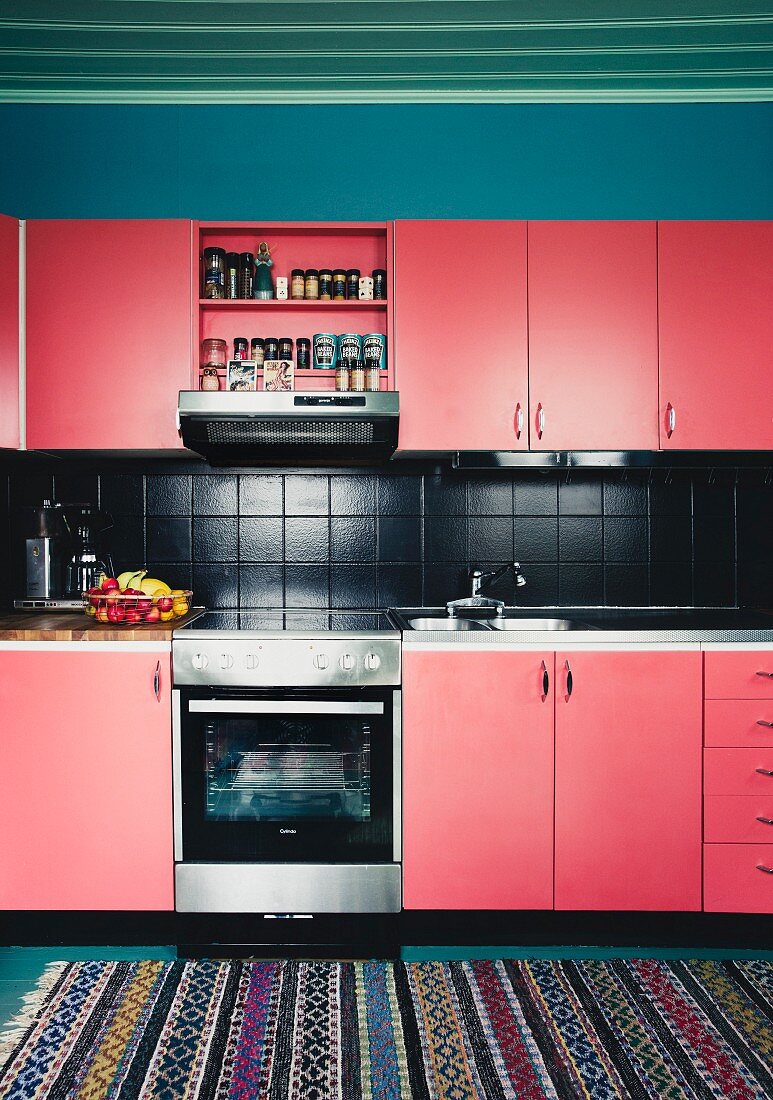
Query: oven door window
x,y
292,778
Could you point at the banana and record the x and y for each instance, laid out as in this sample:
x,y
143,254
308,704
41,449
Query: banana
x,y
151,586
130,578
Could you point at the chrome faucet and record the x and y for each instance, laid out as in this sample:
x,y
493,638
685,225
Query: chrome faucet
x,y
478,580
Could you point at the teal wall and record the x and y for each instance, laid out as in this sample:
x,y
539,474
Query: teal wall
x,y
363,162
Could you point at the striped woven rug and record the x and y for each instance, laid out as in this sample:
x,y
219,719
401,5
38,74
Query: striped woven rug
x,y
308,1030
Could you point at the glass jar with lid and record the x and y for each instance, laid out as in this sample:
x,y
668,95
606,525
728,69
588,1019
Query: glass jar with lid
x,y
214,273
214,352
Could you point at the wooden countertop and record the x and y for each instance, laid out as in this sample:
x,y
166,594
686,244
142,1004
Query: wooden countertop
x,y
76,626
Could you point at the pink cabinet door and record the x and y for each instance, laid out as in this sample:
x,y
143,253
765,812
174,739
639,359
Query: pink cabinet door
x,y
9,332
593,335
460,335
86,783
108,333
628,780
715,288
477,780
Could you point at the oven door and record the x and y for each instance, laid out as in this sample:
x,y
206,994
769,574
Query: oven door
x,y
291,776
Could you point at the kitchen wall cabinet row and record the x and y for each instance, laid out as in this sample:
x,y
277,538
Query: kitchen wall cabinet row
x,y
505,335
573,780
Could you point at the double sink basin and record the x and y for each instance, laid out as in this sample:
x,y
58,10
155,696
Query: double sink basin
x,y
510,619
658,623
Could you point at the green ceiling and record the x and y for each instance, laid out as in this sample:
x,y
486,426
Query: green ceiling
x,y
381,51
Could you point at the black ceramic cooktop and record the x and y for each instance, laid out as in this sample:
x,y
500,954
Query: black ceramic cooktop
x,y
287,619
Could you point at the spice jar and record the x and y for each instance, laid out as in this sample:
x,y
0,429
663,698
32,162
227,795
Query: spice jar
x,y
311,286
325,284
285,348
257,350
297,283
372,378
210,379
246,274
214,273
271,347
339,285
353,283
214,353
357,375
303,354
232,274
240,347
342,375
379,283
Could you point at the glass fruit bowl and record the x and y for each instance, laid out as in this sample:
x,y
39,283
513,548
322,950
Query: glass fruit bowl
x,y
120,609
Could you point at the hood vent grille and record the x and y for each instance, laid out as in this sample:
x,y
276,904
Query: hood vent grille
x,y
285,433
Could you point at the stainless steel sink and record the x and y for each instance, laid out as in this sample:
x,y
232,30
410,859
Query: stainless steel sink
x,y
432,622
496,622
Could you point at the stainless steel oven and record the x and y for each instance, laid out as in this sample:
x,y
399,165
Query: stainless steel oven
x,y
287,765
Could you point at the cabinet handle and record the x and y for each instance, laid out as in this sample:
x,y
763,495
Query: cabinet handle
x,y
540,420
762,722
763,771
767,870
766,820
768,674
157,682
569,681
545,682
518,420
670,419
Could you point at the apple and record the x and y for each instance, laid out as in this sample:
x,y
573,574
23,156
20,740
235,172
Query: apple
x,y
94,596
145,604
165,603
153,615
133,616
116,613
109,583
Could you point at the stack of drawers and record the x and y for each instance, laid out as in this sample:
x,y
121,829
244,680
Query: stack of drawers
x,y
738,781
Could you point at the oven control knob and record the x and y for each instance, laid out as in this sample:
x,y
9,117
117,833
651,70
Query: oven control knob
x,y
346,661
251,661
372,661
321,660
199,661
226,661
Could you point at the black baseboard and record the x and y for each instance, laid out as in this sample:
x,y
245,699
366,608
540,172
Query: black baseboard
x,y
367,936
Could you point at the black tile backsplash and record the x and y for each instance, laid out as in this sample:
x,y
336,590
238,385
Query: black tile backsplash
x,y
409,535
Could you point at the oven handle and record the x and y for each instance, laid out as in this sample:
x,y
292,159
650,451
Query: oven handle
x,y
281,706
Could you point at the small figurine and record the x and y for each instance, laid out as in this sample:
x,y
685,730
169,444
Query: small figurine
x,y
210,380
264,285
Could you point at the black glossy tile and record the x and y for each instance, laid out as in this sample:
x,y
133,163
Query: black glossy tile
x,y
755,585
491,538
445,495
398,585
30,487
490,496
177,574
714,584
307,586
444,582
627,585
715,498
535,495
353,538
399,538
307,539
261,585
625,539
445,538
260,495
713,538
536,538
215,538
215,495
670,538
580,538
127,538
671,584
122,494
352,586
580,496
306,495
670,497
261,538
77,487
353,495
216,586
541,588
169,494
169,538
399,495
625,497
581,585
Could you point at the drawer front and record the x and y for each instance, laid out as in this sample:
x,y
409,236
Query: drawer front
x,y
746,674
737,771
732,880
729,819
741,723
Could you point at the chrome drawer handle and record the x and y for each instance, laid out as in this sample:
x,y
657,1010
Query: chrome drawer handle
x,y
157,682
767,870
768,674
569,682
540,420
762,722
670,419
763,771
518,420
766,820
545,682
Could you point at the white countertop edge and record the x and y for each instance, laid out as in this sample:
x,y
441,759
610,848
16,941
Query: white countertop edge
x,y
91,647
551,644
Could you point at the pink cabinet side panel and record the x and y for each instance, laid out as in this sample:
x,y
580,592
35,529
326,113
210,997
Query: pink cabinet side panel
x,y
85,791
9,332
477,781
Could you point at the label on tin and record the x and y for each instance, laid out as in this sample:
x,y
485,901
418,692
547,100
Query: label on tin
x,y
350,346
324,350
374,350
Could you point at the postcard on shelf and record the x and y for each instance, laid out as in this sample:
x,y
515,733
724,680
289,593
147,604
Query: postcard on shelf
x,y
278,374
242,375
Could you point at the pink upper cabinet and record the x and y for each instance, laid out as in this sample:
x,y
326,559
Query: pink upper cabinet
x,y
460,335
715,294
86,784
9,332
108,333
477,780
628,780
593,336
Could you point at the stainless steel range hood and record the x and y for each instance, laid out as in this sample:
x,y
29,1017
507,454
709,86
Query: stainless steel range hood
x,y
311,426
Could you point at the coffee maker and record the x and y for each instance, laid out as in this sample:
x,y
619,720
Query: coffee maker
x,y
60,543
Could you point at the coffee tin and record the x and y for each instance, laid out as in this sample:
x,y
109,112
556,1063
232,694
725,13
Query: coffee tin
x,y
325,350
374,350
350,346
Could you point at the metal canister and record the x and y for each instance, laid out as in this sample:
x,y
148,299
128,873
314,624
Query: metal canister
x,y
325,350
349,346
303,354
374,350
379,284
339,284
232,274
325,284
353,283
214,273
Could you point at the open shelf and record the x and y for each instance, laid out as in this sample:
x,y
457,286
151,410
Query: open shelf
x,y
290,303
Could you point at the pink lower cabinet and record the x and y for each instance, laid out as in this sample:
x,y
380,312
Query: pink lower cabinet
x,y
86,782
738,878
477,779
628,780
